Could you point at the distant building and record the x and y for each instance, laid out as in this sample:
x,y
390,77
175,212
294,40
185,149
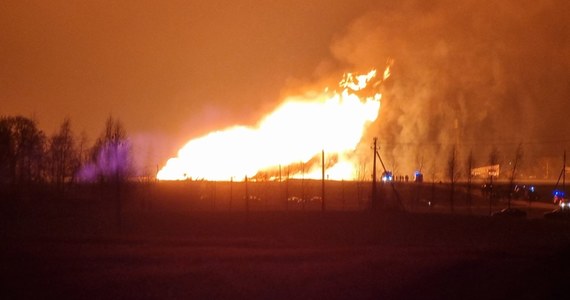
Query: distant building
x,y
486,171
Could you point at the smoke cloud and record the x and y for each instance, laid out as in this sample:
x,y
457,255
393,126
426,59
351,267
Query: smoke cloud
x,y
481,75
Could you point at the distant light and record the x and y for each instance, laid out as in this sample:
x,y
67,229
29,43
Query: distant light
x,y
419,177
558,193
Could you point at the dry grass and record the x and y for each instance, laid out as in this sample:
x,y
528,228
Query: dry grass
x,y
178,250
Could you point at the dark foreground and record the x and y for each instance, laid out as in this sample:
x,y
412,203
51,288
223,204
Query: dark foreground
x,y
284,255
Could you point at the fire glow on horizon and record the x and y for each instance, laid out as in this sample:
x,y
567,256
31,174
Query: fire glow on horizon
x,y
293,134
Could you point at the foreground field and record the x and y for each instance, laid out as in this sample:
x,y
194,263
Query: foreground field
x,y
282,255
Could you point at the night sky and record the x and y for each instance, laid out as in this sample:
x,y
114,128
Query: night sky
x,y
173,70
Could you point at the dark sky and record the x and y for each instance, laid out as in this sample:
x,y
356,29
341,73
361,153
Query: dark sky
x,y
172,70
165,68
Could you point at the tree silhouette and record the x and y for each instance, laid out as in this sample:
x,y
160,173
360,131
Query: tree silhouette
x,y
494,156
112,158
469,163
493,160
452,173
22,147
515,166
63,156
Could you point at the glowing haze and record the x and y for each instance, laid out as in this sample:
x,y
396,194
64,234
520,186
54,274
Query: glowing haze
x,y
293,134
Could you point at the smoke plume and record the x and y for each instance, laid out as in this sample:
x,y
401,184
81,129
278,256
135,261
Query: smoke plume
x,y
476,74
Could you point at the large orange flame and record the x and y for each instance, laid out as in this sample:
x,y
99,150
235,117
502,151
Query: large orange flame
x,y
293,134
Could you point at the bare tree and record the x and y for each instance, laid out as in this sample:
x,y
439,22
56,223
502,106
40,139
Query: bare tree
x,y
111,153
493,160
515,165
112,160
452,173
418,187
433,170
6,151
419,161
494,156
62,156
22,149
470,162
83,154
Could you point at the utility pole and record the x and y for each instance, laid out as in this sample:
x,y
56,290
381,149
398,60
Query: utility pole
x,y
303,184
287,190
564,175
323,181
490,191
343,200
374,203
377,154
231,191
213,195
246,196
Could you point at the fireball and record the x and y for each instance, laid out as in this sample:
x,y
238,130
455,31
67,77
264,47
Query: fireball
x,y
294,134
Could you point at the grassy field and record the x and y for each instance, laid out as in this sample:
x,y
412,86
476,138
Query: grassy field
x,y
169,248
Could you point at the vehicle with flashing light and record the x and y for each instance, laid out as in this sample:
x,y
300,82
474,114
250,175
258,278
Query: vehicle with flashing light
x,y
387,176
559,198
563,209
418,177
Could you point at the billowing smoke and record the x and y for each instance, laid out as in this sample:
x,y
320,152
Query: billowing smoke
x,y
481,75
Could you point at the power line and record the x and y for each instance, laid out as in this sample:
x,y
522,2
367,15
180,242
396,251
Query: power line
x,y
480,143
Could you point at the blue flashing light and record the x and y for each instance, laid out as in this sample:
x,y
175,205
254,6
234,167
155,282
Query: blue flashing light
x,y
387,176
531,188
419,177
558,193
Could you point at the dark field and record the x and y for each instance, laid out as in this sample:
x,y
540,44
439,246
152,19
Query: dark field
x,y
174,243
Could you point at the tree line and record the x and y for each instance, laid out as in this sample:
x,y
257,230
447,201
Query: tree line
x,y
28,156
